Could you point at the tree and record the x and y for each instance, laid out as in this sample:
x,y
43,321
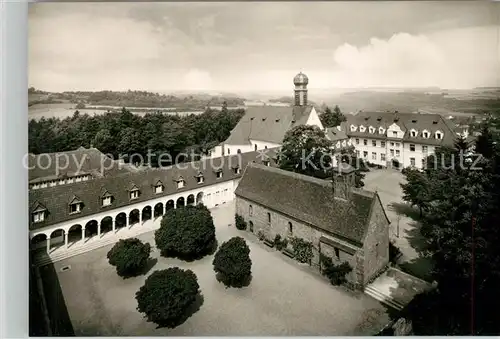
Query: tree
x,y
416,189
240,222
187,233
305,150
232,263
331,118
484,142
103,141
80,105
129,256
462,235
335,273
167,296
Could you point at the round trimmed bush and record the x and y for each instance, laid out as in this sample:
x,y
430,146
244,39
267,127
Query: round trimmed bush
x,y
187,233
167,296
129,256
240,222
232,263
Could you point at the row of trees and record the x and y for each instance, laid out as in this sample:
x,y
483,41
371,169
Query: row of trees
x,y
458,196
169,296
127,133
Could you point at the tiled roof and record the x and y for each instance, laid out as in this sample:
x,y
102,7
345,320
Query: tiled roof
x,y
334,134
309,200
56,199
267,123
406,121
53,166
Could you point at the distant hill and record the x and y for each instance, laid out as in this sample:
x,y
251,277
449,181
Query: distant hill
x,y
140,99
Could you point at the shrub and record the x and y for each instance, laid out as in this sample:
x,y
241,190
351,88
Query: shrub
x,y
240,222
187,233
129,256
232,262
394,253
302,250
167,295
280,243
335,273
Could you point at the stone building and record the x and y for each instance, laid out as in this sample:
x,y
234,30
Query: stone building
x,y
341,222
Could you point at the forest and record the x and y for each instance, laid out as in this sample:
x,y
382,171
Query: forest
x,y
119,133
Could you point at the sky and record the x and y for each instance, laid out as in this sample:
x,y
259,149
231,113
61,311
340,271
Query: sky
x,y
260,46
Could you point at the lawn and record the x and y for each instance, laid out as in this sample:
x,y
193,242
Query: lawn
x,y
284,298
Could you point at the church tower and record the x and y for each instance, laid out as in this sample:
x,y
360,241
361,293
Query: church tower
x,y
300,81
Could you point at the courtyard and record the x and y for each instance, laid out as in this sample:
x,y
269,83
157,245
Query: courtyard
x,y
405,227
283,298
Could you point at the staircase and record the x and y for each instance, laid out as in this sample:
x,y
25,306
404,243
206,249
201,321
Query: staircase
x,y
383,298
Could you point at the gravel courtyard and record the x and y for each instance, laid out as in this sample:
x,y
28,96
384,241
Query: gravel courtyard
x,y
283,298
409,240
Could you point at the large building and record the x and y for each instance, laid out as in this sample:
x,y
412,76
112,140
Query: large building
x,y
341,222
398,139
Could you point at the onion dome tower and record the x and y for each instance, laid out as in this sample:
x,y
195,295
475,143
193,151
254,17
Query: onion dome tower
x,y
300,81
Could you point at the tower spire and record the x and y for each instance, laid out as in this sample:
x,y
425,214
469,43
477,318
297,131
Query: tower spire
x,y
300,81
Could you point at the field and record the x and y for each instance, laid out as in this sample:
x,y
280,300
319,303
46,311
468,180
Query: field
x,y
283,298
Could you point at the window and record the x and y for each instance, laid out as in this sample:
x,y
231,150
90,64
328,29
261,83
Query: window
x,y
357,153
374,143
200,179
413,133
365,142
376,250
425,134
382,144
134,194
397,144
85,178
180,183
43,185
438,135
371,129
337,253
424,149
70,180
423,163
78,179
158,188
236,170
392,144
38,216
269,217
255,147
382,156
357,141
397,153
381,130
219,174
250,210
365,154
266,162
395,134
53,183
353,128
412,148
228,151
265,147
74,208
61,182
238,151
106,201
392,152
290,228
374,156
343,143
412,162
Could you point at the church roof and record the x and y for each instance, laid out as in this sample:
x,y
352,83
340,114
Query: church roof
x,y
309,200
267,123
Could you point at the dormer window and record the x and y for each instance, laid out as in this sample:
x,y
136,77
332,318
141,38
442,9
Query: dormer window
x,y
181,182
236,170
134,194
425,134
362,128
75,205
218,174
200,178
106,201
353,128
343,143
158,187
381,130
266,162
439,135
413,133
371,129
38,213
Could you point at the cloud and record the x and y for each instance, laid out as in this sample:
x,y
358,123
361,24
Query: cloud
x,y
460,58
